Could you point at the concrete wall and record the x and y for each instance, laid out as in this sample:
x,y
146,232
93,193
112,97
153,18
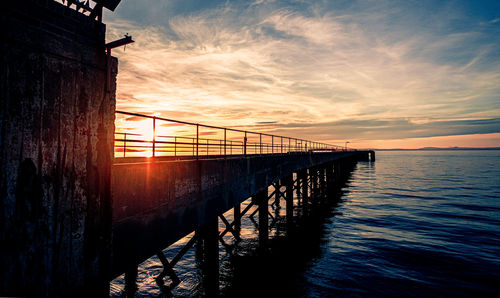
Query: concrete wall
x,y
157,203
57,125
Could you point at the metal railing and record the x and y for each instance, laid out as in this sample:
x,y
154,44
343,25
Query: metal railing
x,y
181,142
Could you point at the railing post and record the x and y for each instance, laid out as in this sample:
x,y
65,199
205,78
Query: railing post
x,y
289,144
197,139
260,141
272,144
124,144
245,144
281,145
154,135
175,146
225,141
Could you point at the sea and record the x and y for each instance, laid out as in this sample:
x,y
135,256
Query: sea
x,y
410,224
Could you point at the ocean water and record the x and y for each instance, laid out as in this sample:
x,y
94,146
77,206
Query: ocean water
x,y
413,223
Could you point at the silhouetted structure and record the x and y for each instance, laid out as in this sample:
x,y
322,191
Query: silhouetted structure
x,y
63,232
56,150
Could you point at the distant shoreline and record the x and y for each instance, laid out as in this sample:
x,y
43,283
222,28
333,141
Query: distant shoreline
x,y
441,149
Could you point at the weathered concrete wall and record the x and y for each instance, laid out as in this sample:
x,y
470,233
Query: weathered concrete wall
x,y
57,125
157,203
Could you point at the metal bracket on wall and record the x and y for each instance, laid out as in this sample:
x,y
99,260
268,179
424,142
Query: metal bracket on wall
x,y
111,45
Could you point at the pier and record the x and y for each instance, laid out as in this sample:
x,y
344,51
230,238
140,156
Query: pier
x,y
83,202
158,200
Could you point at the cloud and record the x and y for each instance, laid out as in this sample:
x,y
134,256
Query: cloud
x,y
134,118
292,68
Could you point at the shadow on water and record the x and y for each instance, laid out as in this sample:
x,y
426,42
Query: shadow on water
x,y
279,270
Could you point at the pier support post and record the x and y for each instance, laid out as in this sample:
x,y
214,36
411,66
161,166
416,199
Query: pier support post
x,y
297,186
237,218
323,182
208,256
262,201
305,188
319,185
131,282
288,181
337,170
314,185
277,196
330,180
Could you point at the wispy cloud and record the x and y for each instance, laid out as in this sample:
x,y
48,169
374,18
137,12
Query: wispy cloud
x,y
257,63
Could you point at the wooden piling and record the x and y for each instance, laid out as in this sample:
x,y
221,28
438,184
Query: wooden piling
x,y
262,201
208,256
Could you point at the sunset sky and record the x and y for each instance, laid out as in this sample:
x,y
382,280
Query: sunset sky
x,y
379,74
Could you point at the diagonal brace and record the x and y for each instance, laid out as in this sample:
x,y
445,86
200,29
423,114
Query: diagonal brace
x,y
229,227
241,216
168,267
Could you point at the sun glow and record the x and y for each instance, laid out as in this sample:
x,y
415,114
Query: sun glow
x,y
311,76
134,137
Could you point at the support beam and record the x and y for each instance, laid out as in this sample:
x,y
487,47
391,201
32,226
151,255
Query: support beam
x,y
168,269
330,180
322,182
237,219
337,170
288,182
277,195
229,227
314,185
305,188
262,200
298,185
131,281
208,256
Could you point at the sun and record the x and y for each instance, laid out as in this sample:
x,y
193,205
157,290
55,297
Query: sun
x,y
144,128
